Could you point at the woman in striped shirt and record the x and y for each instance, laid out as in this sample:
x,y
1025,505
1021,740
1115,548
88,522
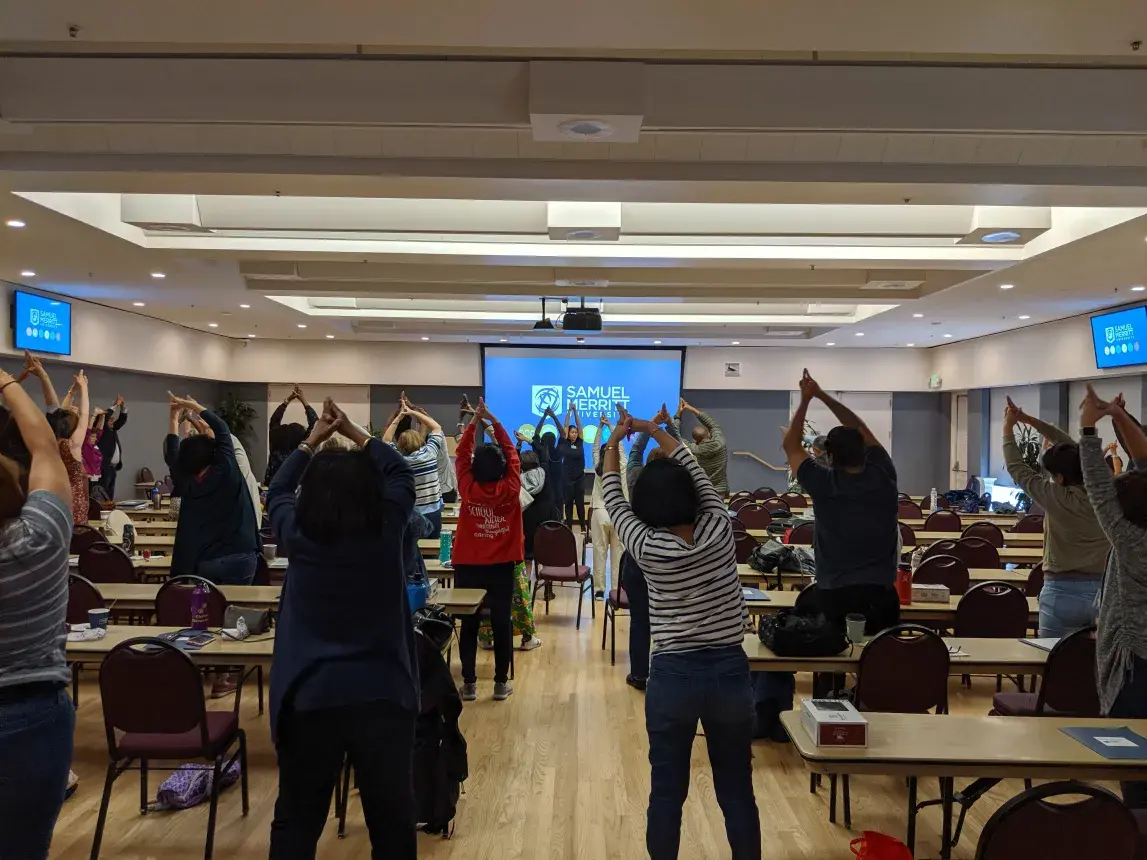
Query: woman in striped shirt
x,y
680,535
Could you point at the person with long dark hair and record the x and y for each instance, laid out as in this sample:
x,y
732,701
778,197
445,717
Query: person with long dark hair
x,y
344,681
488,544
571,451
282,438
37,719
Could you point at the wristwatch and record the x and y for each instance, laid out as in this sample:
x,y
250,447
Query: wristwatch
x,y
1087,431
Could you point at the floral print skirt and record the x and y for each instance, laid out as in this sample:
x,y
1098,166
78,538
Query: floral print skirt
x,y
520,613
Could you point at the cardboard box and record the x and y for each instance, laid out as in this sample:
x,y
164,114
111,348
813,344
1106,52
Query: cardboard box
x,y
930,593
834,723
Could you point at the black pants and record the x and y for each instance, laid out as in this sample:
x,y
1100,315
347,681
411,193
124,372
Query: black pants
x,y
498,580
107,479
633,581
450,497
378,738
574,494
1131,703
880,606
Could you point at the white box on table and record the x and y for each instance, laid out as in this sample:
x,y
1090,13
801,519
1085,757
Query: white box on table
x,y
834,723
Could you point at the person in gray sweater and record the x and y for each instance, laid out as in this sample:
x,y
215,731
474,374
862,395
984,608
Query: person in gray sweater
x,y
1121,506
1076,548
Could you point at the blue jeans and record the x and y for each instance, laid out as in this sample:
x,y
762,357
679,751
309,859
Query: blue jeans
x,y
435,518
711,686
1066,605
35,753
235,569
1131,703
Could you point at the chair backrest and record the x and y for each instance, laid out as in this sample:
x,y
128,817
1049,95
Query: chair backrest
x,y
82,596
802,535
173,602
94,510
908,510
808,601
774,506
944,570
740,494
1036,510
745,543
1030,524
903,670
102,562
740,502
907,535
1069,683
942,503
755,516
987,531
1098,827
993,610
943,521
149,686
1035,581
976,552
83,537
794,500
762,493
903,497
940,547
262,571
555,545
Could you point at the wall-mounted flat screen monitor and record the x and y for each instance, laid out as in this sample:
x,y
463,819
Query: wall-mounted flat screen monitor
x,y
41,324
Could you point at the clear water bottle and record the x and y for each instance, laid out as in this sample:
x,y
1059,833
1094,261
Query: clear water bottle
x,y
199,607
128,543
917,558
934,499
445,547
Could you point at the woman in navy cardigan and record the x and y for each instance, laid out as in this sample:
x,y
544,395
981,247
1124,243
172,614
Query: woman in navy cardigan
x,y
344,681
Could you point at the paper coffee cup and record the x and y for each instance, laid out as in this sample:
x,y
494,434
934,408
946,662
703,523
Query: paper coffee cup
x,y
98,618
269,550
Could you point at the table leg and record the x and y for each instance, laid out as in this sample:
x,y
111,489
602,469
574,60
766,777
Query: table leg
x,y
832,798
947,788
911,836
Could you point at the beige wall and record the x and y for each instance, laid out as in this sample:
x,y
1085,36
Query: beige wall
x,y
779,368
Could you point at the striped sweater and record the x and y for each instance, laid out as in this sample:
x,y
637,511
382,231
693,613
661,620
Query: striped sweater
x,y
695,597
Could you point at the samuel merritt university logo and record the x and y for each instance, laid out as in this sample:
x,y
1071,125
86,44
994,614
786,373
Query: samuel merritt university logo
x,y
543,397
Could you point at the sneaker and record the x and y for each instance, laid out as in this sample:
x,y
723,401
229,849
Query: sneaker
x,y
635,682
73,784
599,595
530,644
469,692
224,686
485,646
503,691
779,735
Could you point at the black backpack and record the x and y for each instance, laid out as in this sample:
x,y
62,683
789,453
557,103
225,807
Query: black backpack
x,y
440,761
790,633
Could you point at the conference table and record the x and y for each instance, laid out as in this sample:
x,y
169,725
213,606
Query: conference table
x,y
249,652
141,596
1028,540
942,613
144,527
975,574
1028,554
968,656
919,746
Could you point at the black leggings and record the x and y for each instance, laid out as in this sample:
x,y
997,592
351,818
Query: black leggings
x,y
498,580
574,494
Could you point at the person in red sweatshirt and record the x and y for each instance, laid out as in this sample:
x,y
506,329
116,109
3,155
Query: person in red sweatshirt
x,y
487,544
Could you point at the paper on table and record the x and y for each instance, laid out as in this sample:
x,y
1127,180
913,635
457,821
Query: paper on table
x,y
957,651
1045,644
754,594
1112,742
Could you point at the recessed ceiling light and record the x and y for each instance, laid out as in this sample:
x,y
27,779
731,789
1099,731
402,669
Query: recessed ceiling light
x,y
27,273
330,337
158,275
918,316
1138,288
501,340
138,304
582,235
736,343
830,344
947,335
1000,237
251,335
860,334
244,306
15,222
213,325
586,129
1025,317
1007,286
426,338
657,343
910,344
302,325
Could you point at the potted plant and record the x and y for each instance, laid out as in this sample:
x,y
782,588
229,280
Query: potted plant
x,y
238,415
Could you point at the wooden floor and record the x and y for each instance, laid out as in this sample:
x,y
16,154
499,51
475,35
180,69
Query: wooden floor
x,y
557,771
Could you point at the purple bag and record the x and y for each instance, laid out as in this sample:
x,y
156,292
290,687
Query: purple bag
x,y
190,785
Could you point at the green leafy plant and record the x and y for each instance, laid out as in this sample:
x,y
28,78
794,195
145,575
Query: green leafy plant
x,y
376,432
1031,446
238,415
809,433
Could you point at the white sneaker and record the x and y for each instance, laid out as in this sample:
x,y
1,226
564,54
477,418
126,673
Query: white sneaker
x,y
530,645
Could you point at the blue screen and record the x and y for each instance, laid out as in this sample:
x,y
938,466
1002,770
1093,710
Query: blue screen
x,y
521,383
42,325
1120,338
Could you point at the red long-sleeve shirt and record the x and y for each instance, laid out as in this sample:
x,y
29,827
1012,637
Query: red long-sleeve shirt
x,y
490,515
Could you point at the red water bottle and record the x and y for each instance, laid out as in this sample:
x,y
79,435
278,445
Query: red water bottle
x,y
904,584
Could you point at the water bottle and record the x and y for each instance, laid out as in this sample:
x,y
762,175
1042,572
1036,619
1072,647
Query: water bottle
x,y
199,607
156,500
917,558
445,547
934,499
128,538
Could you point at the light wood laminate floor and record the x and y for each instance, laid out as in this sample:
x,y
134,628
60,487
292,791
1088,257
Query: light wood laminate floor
x,y
558,771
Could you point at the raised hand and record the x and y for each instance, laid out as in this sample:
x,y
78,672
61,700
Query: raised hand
x,y
482,413
623,429
1092,408
809,387
662,417
82,380
1012,415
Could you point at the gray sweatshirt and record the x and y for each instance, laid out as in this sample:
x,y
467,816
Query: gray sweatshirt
x,y
1122,624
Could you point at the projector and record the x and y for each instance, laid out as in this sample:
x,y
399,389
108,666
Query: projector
x,y
582,319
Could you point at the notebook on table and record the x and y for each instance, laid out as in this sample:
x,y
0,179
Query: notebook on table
x,y
754,594
1044,644
1114,742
